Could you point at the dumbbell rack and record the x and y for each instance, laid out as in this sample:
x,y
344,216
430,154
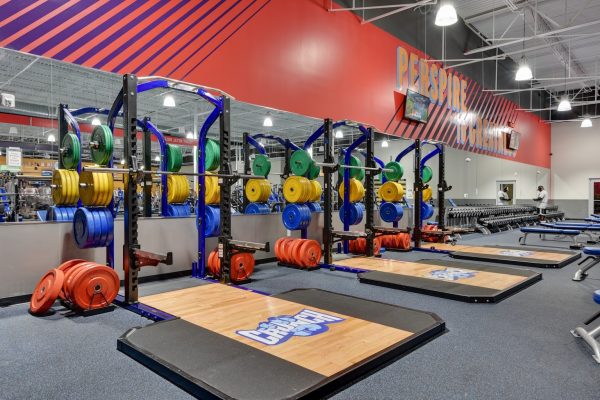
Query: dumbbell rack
x,y
488,219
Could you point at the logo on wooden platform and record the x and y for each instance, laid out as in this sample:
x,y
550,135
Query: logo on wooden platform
x,y
277,330
516,253
451,274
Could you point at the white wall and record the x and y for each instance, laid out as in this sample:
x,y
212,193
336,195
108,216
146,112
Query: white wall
x,y
575,160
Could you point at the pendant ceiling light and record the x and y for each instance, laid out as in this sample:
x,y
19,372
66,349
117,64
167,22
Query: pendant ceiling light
x,y
586,123
446,15
564,105
339,134
524,72
169,101
385,143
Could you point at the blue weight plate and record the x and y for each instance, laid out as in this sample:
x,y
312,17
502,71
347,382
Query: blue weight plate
x,y
391,212
186,209
212,221
51,216
103,228
58,214
67,213
111,226
426,210
314,207
80,228
291,217
97,229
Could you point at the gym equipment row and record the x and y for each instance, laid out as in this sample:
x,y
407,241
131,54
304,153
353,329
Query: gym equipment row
x,y
212,344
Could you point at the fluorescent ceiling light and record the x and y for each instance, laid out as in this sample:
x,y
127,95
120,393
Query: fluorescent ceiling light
x,y
446,15
157,158
385,143
51,138
524,72
189,135
96,121
169,101
564,105
586,123
268,122
339,134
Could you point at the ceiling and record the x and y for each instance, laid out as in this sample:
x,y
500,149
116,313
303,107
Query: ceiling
x,y
564,44
40,84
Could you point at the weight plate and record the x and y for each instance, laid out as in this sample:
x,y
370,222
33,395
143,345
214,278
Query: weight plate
x,y
258,190
301,162
261,165
71,151
241,267
174,158
46,291
357,190
111,226
57,186
80,228
95,287
70,274
355,162
355,213
101,145
427,194
257,208
314,207
317,191
361,175
66,267
103,228
296,216
88,192
295,255
391,212
311,250
391,191
212,155
426,173
297,189
314,171
426,211
396,173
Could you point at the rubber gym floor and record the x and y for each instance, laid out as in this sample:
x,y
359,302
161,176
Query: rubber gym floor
x,y
520,348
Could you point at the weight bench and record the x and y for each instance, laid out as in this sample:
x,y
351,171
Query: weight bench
x,y
586,229
573,233
593,254
590,337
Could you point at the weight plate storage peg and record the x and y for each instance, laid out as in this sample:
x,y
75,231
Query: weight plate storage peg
x,y
92,227
261,165
426,173
391,191
355,212
357,190
296,216
212,155
396,173
101,145
301,162
65,187
70,151
174,158
391,212
212,217
258,190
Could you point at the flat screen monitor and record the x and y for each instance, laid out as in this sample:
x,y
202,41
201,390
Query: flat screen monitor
x,y
513,140
417,107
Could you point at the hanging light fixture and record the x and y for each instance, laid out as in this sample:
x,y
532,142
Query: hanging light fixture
x,y
268,121
385,143
524,72
189,135
96,121
446,15
51,138
169,101
339,134
122,161
564,105
157,158
586,123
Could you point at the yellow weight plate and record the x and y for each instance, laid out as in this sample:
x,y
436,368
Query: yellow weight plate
x,y
57,190
258,190
317,191
212,193
87,193
391,191
297,189
427,194
357,190
184,189
171,188
69,182
110,190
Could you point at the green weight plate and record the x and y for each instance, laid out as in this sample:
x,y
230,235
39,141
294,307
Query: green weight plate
x,y
426,173
301,162
361,175
212,155
397,172
174,158
314,171
102,147
72,151
261,165
354,172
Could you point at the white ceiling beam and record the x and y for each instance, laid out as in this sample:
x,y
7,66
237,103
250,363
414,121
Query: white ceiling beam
x,y
527,38
403,8
331,9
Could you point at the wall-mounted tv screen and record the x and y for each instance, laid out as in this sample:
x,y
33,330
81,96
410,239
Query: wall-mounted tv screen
x,y
416,107
513,140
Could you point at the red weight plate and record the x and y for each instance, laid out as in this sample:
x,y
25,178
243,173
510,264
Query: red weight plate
x,y
66,267
376,246
242,266
94,287
279,248
46,291
69,277
276,248
286,250
214,263
295,254
311,251
70,285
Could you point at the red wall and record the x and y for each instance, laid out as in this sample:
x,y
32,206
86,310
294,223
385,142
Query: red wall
x,y
288,54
